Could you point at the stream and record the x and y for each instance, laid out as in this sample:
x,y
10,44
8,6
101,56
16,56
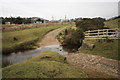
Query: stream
x,y
14,58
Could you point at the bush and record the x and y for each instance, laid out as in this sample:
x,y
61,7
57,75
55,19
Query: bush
x,y
71,37
90,24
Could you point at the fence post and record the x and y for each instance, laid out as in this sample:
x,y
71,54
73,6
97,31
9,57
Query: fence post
x,y
116,35
107,33
89,33
103,32
98,32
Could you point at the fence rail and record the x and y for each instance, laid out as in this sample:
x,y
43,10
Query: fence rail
x,y
100,33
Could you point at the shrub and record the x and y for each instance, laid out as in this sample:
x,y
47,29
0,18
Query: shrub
x,y
71,37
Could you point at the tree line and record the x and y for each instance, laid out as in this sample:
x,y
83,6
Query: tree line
x,y
18,20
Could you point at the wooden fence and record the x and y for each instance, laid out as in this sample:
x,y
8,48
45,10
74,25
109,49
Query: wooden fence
x,y
102,33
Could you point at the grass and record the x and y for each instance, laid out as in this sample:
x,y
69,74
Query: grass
x,y
25,39
50,56
103,48
48,65
112,23
17,27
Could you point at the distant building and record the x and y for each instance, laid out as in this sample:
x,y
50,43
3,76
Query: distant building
x,y
38,20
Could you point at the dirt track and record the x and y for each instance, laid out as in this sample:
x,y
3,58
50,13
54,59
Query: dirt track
x,y
50,38
94,66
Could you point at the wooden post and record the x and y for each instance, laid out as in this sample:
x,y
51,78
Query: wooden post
x,y
103,32
98,32
107,33
116,35
89,33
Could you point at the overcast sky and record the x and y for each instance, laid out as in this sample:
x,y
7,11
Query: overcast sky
x,y
59,8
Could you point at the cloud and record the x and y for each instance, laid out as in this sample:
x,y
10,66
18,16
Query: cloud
x,y
59,8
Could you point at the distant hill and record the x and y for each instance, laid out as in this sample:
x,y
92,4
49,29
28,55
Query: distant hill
x,y
113,22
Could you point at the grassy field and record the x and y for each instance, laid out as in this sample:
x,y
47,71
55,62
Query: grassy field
x,y
48,65
17,27
24,39
112,23
103,48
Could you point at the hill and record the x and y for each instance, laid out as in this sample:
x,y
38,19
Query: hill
x,y
112,23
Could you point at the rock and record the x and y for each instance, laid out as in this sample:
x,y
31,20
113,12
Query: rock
x,y
34,47
65,58
60,50
45,57
15,39
87,46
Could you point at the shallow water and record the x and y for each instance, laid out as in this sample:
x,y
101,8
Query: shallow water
x,y
21,56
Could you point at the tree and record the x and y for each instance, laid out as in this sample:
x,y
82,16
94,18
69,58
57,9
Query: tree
x,y
17,20
90,24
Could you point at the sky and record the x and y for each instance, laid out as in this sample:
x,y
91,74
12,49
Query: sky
x,y
59,8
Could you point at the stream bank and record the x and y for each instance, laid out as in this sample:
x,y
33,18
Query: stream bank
x,y
49,42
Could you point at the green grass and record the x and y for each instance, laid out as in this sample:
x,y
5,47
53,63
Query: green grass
x,y
112,23
48,65
25,38
104,49
50,56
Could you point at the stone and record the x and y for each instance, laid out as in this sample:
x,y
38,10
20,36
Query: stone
x,y
87,46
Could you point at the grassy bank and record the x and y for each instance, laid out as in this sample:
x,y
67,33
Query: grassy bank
x,y
24,39
112,23
17,27
103,48
48,65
